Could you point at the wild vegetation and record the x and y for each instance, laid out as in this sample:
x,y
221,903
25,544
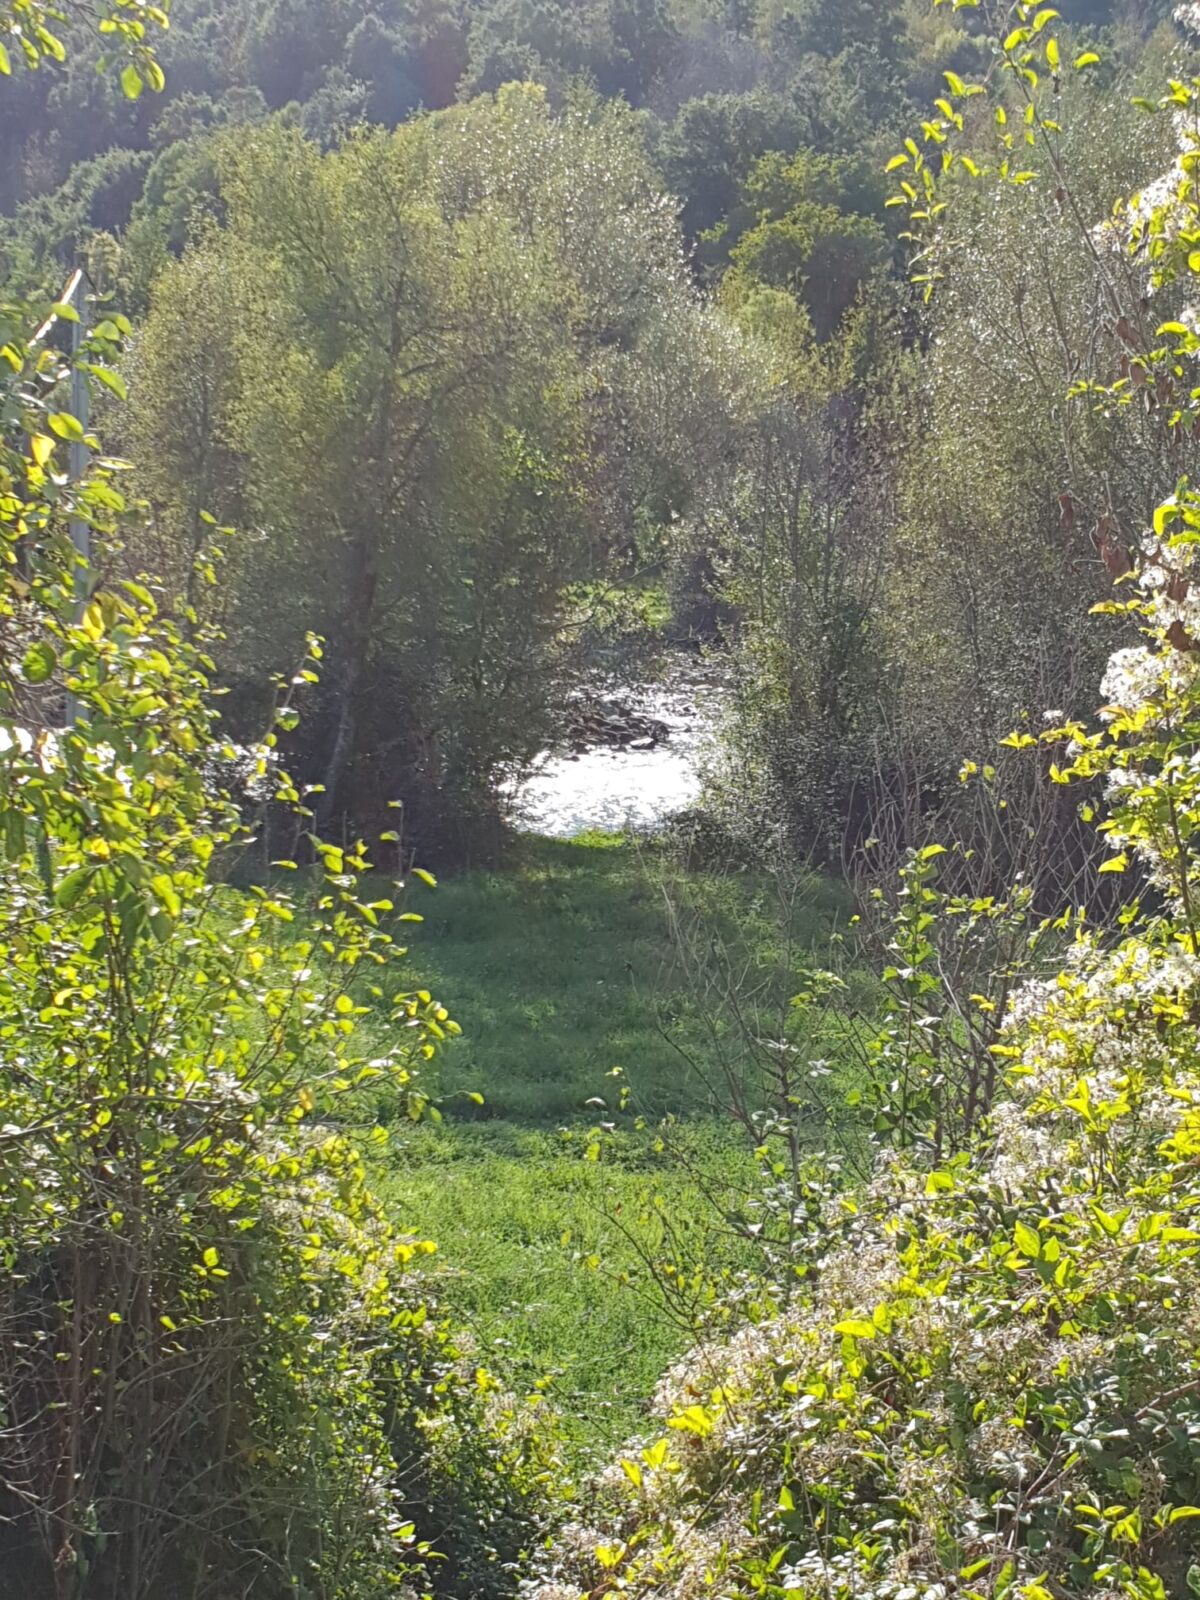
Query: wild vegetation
x,y
798,1199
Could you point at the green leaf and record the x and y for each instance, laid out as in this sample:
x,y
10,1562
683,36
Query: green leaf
x,y
39,662
1027,1240
5,63
65,425
141,594
131,82
210,1257
855,1328
51,44
166,894
71,888
1089,58
14,833
111,380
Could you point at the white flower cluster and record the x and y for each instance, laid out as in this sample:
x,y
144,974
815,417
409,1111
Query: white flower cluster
x,y
1138,677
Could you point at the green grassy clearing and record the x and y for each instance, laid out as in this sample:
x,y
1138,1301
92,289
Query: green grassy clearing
x,y
561,969
534,1260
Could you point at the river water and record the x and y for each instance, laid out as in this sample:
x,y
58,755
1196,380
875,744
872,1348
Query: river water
x,y
606,789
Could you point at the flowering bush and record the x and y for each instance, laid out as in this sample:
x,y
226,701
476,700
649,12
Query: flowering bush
x,y
992,1387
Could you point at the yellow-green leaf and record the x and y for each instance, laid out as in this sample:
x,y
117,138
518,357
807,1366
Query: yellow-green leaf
x,y
855,1328
1027,1240
65,425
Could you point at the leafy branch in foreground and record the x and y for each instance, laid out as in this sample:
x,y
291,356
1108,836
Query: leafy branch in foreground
x,y
217,1363
29,34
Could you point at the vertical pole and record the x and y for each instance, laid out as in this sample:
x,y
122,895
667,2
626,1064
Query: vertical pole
x,y
77,463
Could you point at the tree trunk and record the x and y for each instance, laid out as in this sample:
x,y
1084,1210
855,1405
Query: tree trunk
x,y
356,631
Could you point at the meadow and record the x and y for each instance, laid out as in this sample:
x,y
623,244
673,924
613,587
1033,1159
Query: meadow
x,y
594,1036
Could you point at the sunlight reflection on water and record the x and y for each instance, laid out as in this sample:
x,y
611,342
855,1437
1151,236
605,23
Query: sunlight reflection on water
x,y
607,789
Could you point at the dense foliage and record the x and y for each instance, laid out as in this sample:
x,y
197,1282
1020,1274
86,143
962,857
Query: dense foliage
x,y
465,321
218,1361
985,1382
790,460
519,340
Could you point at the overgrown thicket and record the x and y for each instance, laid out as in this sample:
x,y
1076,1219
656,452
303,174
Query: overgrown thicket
x,y
908,581
443,372
220,1368
640,331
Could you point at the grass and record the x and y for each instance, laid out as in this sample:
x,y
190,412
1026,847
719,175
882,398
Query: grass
x,y
537,1262
560,969
550,1203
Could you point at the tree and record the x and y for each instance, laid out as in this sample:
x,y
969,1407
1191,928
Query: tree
x,y
808,228
710,149
619,45
434,344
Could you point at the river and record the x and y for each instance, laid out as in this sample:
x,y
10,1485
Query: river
x,y
607,789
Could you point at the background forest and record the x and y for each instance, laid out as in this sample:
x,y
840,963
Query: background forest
x,y
747,435
812,1175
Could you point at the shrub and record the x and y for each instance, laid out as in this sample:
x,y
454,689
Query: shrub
x,y
219,1368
